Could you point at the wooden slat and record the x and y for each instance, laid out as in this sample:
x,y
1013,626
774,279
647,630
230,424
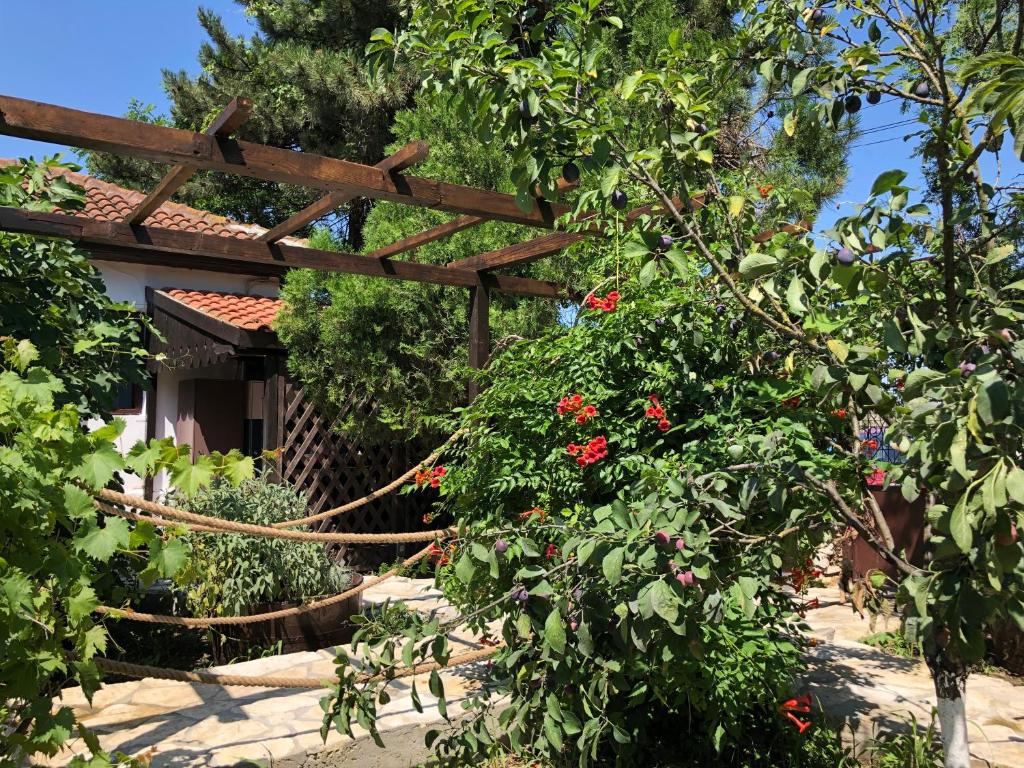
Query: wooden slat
x,y
410,154
442,231
539,247
236,252
161,144
439,232
227,122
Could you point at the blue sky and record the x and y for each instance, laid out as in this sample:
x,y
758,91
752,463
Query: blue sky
x,y
97,55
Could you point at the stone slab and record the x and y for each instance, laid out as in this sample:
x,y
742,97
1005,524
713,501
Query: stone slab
x,y
184,725
874,693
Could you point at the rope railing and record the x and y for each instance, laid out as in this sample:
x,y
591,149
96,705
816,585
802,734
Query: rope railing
x,y
230,526
221,621
270,681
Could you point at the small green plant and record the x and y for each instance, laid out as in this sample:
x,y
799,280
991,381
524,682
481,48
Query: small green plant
x,y
379,622
916,748
231,573
893,643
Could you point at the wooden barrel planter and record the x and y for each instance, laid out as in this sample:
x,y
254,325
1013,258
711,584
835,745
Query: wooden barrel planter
x,y
310,631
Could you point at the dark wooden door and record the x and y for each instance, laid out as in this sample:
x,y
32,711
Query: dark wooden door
x,y
211,415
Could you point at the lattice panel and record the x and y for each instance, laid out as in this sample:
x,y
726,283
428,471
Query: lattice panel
x,y
333,470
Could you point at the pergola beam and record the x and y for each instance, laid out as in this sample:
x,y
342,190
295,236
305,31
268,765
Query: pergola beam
x,y
227,122
411,154
439,232
539,247
236,254
161,144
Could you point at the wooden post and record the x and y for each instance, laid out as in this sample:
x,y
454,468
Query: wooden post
x,y
273,411
479,332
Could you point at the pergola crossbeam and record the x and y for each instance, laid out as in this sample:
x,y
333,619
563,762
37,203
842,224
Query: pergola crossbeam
x,y
539,247
439,232
236,253
227,122
411,154
162,144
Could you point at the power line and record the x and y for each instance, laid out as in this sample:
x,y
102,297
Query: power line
x,y
886,127
880,141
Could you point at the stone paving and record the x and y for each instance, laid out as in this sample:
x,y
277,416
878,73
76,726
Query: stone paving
x,y
181,724
875,693
185,724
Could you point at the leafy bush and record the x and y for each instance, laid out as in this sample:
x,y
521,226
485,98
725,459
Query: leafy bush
x,y
231,573
51,296
634,589
64,347
773,346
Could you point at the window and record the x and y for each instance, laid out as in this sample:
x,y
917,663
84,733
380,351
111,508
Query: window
x,y
128,399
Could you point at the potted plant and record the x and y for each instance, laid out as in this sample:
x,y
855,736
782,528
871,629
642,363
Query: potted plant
x,y
237,575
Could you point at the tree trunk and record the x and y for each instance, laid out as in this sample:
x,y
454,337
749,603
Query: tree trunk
x,y
950,681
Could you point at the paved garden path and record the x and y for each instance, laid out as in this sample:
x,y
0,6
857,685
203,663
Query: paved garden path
x,y
182,724
187,724
874,692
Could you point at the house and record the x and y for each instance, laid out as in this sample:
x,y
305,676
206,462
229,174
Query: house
x,y
221,380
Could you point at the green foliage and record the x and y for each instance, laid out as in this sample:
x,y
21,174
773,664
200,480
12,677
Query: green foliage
x,y
64,347
608,629
395,350
51,297
768,350
55,548
914,747
893,643
230,574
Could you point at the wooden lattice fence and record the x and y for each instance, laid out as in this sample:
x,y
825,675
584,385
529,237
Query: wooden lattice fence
x,y
333,470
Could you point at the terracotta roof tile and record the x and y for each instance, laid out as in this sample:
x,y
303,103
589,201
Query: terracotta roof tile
x,y
253,313
105,201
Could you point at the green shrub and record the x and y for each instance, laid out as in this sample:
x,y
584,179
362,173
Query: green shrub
x,y
229,572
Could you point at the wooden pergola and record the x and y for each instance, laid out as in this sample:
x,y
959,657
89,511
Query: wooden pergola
x,y
215,150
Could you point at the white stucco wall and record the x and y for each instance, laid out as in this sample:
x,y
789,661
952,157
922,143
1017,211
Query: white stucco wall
x,y
128,283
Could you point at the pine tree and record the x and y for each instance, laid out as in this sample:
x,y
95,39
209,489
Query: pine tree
x,y
305,73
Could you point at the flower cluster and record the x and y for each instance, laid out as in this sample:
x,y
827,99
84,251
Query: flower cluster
x,y
440,555
869,446
800,705
839,413
574,404
655,411
590,453
430,477
607,304
550,552
765,189
531,512
800,575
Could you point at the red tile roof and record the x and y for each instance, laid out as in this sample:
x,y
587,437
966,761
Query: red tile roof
x,y
105,201
253,313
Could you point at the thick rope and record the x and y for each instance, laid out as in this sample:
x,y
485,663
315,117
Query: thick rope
x,y
154,520
298,610
212,678
230,526
393,485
